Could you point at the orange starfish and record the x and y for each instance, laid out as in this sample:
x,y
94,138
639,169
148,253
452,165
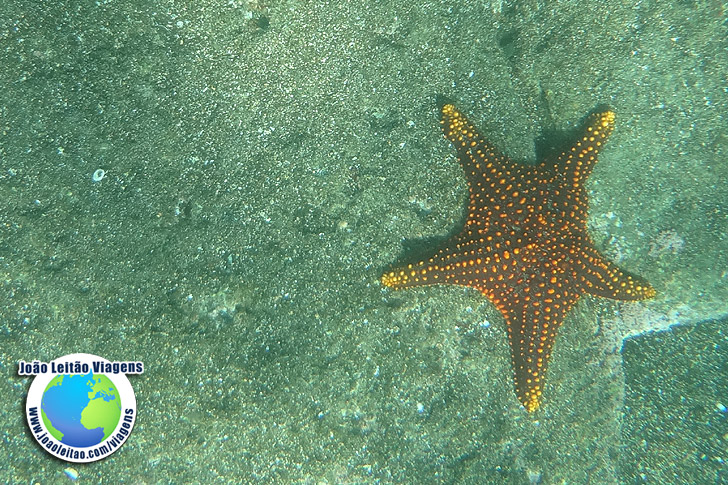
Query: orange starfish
x,y
525,244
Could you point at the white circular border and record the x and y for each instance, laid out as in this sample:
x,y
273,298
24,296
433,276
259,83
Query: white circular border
x,y
35,396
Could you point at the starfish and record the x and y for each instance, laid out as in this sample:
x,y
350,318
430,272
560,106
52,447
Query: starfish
x,y
525,244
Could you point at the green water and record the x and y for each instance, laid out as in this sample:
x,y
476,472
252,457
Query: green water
x,y
263,162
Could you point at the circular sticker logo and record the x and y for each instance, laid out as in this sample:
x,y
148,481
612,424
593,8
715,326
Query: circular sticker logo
x,y
81,407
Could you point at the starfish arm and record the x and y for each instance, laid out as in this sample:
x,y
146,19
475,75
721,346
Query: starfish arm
x,y
422,273
532,319
578,162
480,160
459,262
600,277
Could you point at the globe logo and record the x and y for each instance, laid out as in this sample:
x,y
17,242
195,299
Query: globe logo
x,y
81,407
81,410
